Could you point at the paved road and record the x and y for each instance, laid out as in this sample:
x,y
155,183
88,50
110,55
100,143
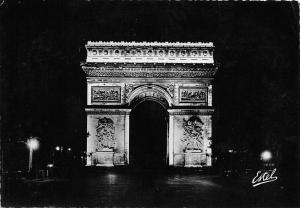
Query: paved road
x,y
149,189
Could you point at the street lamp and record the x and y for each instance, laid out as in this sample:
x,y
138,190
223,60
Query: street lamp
x,y
266,155
33,144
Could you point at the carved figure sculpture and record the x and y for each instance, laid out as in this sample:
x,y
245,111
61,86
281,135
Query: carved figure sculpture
x,y
105,133
192,136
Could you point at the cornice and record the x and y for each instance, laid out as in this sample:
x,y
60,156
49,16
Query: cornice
x,y
150,52
209,111
150,65
155,43
102,111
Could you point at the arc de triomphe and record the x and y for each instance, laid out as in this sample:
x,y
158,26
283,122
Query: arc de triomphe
x,y
178,76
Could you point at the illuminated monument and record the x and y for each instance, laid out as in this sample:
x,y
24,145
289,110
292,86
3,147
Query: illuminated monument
x,y
122,75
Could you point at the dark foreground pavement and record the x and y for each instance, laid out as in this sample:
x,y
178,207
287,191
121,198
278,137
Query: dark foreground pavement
x,y
115,188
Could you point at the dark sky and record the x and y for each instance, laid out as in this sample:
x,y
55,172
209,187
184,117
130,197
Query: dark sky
x,y
44,91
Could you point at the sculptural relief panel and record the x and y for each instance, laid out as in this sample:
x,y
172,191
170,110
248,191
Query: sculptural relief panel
x,y
170,87
105,132
105,93
129,87
192,94
193,138
192,133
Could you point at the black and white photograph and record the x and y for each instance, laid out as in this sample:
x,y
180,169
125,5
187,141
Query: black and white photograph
x,y
149,103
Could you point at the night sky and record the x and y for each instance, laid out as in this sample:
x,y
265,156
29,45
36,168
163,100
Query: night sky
x,y
44,90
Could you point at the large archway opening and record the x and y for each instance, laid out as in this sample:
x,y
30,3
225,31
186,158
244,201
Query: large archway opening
x,y
148,135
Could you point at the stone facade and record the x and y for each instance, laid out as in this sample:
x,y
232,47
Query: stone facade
x,y
179,76
190,137
108,136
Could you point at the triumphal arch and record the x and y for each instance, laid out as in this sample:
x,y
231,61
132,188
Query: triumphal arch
x,y
174,77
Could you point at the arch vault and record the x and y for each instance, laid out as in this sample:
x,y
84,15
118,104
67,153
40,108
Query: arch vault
x,y
120,75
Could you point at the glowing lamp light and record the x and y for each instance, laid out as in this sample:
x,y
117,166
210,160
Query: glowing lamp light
x,y
33,144
57,148
50,165
69,149
266,155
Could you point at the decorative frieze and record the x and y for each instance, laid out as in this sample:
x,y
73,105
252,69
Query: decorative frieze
x,y
147,73
146,52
